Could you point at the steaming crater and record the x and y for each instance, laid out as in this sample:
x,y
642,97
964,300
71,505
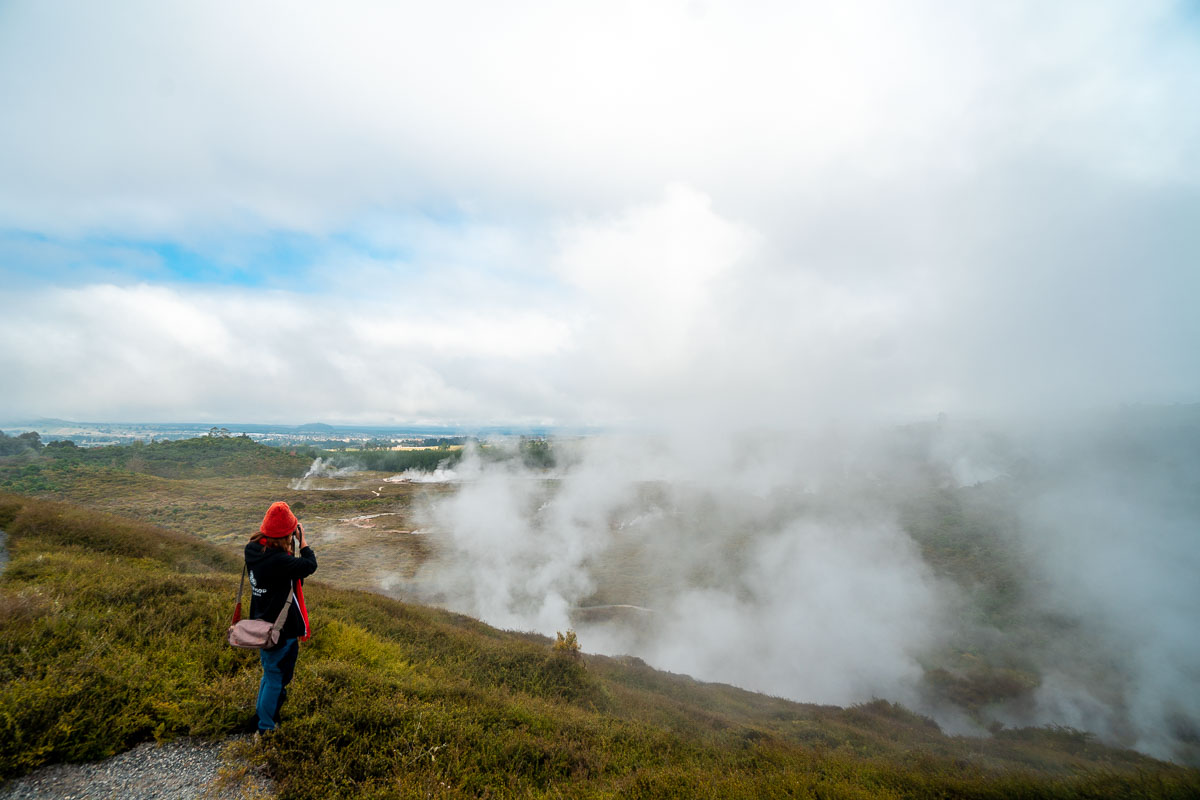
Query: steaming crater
x,y
913,567
322,469
439,475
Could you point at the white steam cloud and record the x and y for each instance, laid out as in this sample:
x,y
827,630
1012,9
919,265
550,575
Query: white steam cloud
x,y
320,468
1112,544
791,565
742,576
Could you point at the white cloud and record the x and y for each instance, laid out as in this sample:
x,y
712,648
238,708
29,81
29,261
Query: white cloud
x,y
173,118
647,282
608,212
516,337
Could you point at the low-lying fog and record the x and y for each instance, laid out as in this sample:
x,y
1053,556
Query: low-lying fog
x,y
1031,576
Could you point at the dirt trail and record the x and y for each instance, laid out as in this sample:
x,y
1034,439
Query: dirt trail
x,y
186,769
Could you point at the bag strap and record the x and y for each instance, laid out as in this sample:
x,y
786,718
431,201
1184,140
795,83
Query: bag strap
x,y
282,618
242,583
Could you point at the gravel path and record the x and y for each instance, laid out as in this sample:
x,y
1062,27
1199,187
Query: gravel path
x,y
185,769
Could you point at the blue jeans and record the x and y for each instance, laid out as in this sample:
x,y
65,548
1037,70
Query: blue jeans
x,y
278,666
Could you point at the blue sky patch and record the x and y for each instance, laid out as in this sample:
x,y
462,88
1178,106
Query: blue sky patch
x,y
269,261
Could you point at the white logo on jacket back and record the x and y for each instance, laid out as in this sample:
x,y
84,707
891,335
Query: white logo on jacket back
x,y
257,592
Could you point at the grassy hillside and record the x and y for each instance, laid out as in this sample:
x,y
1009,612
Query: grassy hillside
x,y
111,634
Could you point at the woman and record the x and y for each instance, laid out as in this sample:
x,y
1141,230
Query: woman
x,y
274,573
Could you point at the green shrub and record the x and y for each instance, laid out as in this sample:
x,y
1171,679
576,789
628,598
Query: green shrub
x,y
567,644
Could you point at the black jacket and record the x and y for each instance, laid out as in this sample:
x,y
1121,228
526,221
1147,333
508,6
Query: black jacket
x,y
271,574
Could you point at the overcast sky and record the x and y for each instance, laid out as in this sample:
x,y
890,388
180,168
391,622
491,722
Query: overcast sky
x,y
596,213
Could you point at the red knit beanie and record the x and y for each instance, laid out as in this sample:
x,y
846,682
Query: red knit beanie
x,y
279,521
